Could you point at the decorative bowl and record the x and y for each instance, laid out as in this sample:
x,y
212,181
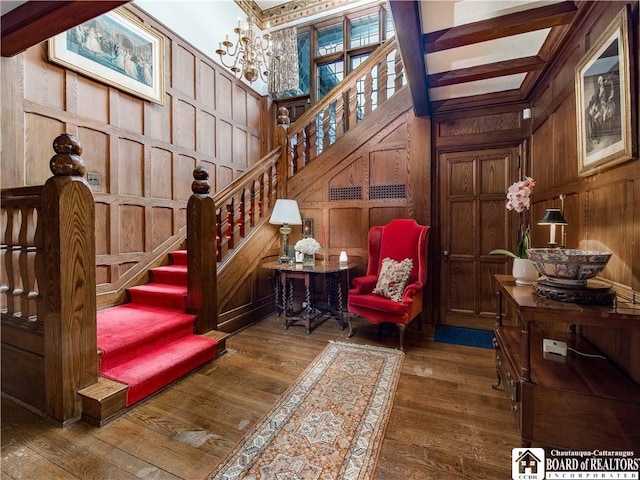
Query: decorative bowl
x,y
568,267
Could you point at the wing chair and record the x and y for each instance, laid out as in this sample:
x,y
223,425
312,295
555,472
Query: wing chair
x,y
399,240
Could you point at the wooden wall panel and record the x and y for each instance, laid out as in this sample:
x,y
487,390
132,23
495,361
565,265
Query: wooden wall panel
x,y
207,87
95,154
345,228
184,125
92,101
224,90
130,168
183,69
44,84
224,177
129,114
161,164
36,152
207,134
240,149
183,176
131,231
162,225
103,226
225,142
565,158
542,148
388,167
239,105
158,125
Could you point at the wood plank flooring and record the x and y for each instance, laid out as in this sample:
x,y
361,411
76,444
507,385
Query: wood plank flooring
x,y
446,423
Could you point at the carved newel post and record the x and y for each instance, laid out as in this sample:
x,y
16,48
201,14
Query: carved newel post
x,y
69,290
282,139
202,298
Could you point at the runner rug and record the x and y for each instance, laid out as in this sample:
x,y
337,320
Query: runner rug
x,y
328,425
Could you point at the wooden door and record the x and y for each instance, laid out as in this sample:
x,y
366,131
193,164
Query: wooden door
x,y
473,221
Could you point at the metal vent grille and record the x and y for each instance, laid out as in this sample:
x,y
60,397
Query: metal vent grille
x,y
345,193
388,191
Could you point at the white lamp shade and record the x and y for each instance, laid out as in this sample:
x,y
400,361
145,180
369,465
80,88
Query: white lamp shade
x,y
285,212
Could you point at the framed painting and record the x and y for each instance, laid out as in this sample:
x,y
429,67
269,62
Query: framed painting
x,y
603,100
116,49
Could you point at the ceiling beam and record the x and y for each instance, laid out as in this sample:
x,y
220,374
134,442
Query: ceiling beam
x,y
500,27
408,31
36,21
489,70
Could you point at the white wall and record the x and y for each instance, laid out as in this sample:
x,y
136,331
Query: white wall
x,y
203,23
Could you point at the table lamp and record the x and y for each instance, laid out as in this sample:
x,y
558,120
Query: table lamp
x,y
552,217
285,213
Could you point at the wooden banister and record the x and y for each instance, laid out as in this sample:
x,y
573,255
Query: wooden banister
x,y
69,281
202,298
49,296
347,104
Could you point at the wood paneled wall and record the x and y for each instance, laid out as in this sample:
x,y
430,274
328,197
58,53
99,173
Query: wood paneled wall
x,y
144,153
603,210
380,172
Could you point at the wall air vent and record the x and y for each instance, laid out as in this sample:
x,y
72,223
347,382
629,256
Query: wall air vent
x,y
345,193
388,191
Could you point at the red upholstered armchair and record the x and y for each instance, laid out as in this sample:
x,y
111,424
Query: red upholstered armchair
x,y
399,239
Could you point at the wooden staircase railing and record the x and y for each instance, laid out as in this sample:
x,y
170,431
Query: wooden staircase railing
x,y
49,287
376,80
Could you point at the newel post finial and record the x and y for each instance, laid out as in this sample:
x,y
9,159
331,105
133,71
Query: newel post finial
x,y
67,161
283,117
200,185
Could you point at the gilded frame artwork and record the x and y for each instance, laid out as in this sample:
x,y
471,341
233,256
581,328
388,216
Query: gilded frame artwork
x,y
116,49
603,100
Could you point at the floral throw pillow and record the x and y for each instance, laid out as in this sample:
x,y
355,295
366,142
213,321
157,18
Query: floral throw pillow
x,y
393,278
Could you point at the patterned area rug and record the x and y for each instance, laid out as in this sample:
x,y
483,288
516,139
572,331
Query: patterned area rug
x,y
328,425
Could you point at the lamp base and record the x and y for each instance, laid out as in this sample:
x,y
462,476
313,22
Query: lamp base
x,y
284,259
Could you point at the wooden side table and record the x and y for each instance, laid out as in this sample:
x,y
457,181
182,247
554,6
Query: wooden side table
x,y
312,307
572,402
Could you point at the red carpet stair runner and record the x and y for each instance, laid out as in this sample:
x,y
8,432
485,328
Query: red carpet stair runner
x,y
149,342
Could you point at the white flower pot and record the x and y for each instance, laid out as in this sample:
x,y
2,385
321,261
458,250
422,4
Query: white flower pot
x,y
524,271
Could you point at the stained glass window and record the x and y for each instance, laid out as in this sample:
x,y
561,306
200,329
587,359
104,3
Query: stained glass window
x,y
328,76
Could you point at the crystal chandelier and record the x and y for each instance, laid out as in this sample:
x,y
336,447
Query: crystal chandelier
x,y
252,54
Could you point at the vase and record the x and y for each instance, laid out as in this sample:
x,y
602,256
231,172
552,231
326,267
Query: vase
x,y
309,259
524,271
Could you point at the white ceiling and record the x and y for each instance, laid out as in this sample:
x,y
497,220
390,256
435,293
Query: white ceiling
x,y
438,15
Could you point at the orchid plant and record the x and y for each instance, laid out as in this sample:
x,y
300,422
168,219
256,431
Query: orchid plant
x,y
518,200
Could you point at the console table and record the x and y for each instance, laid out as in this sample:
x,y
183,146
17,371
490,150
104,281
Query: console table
x,y
312,307
572,402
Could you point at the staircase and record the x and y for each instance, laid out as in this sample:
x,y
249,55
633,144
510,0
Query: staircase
x,y
147,344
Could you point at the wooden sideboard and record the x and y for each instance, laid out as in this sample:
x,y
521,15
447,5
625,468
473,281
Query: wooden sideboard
x,y
573,402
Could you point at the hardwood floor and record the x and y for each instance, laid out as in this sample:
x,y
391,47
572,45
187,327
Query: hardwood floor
x,y
446,423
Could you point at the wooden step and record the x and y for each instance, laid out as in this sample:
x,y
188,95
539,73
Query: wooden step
x,y
103,401
221,348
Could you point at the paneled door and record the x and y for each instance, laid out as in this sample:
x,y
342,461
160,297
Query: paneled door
x,y
473,221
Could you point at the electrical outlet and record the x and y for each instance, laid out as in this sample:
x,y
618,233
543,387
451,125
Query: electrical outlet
x,y
93,178
554,346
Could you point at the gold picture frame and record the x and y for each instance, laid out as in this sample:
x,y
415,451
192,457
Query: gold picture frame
x,y
603,100
116,49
